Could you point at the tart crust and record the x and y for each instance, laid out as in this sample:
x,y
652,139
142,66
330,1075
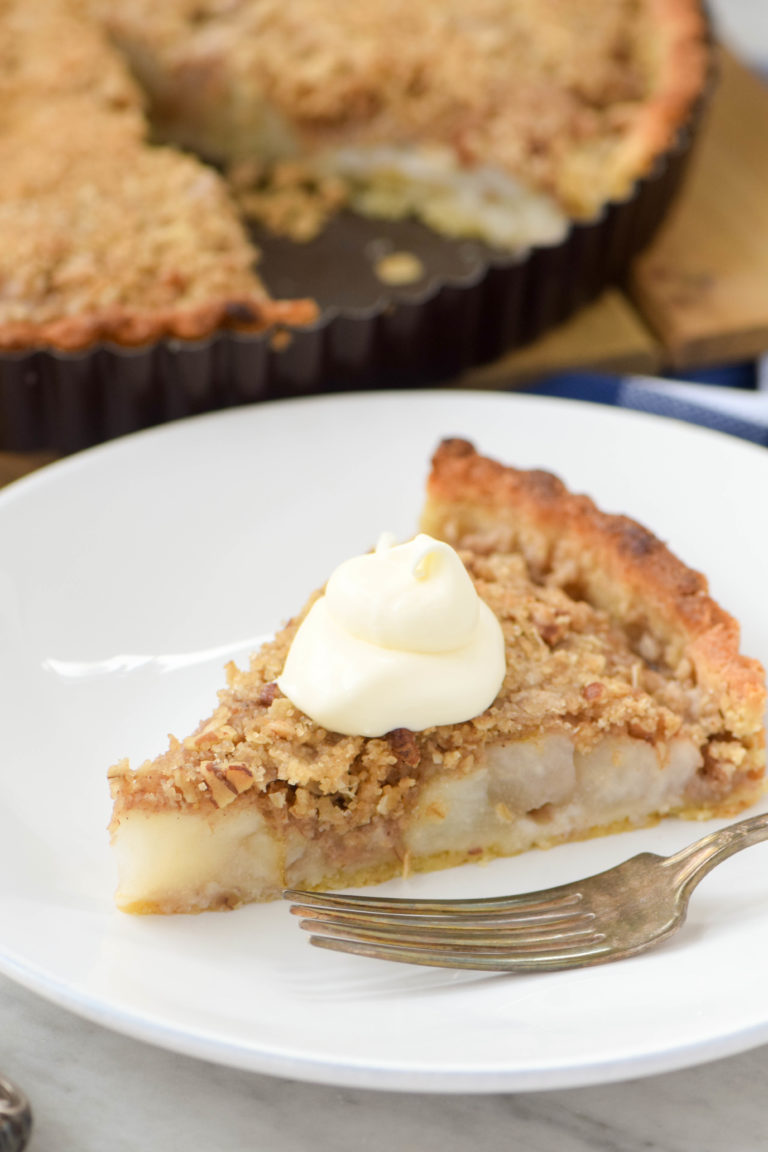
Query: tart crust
x,y
625,699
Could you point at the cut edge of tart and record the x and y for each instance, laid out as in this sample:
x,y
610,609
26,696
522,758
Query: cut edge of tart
x,y
478,113
625,699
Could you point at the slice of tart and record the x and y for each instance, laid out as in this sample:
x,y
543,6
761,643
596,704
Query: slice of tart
x,y
622,697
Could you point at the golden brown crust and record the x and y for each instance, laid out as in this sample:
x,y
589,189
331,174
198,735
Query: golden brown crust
x,y
104,237
680,58
132,328
614,562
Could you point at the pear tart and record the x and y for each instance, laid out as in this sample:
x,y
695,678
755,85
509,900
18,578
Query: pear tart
x,y
161,161
495,118
106,236
624,699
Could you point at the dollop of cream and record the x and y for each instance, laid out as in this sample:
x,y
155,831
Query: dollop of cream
x,y
400,639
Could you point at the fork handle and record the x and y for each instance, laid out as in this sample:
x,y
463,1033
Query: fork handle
x,y
692,863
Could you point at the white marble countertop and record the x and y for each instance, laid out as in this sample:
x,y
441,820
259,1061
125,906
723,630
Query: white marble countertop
x,y
95,1091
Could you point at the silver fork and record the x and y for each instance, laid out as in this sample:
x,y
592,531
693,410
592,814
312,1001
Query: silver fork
x,y
613,914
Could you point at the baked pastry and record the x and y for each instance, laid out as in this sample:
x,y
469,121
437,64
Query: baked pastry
x,y
624,698
498,119
102,236
502,119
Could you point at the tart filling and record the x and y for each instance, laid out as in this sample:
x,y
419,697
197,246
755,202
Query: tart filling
x,y
624,699
527,793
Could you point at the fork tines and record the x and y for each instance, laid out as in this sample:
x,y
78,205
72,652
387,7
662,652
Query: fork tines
x,y
505,933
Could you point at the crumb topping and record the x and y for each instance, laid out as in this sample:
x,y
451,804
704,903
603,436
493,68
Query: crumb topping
x,y
103,235
571,668
288,198
548,90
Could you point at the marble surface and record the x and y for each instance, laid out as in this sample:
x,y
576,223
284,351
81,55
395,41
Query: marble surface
x,y
93,1090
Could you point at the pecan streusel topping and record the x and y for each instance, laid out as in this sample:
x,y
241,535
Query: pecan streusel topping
x,y
101,234
549,90
570,669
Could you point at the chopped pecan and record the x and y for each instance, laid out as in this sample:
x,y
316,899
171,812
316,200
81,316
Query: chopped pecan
x,y
188,786
403,743
550,633
593,691
213,732
222,790
268,694
551,627
240,777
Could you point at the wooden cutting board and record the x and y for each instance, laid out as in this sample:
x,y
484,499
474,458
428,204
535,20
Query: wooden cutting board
x,y
698,296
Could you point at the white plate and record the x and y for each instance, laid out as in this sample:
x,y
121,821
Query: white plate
x,y
131,573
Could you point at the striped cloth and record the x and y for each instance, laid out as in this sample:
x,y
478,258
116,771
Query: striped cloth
x,y
738,411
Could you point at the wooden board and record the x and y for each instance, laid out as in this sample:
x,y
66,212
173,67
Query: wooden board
x,y
607,336
16,464
698,296
702,287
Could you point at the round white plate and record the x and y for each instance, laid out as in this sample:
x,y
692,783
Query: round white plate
x,y
130,574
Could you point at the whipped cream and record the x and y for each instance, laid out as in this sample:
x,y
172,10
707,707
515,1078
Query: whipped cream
x,y
400,639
